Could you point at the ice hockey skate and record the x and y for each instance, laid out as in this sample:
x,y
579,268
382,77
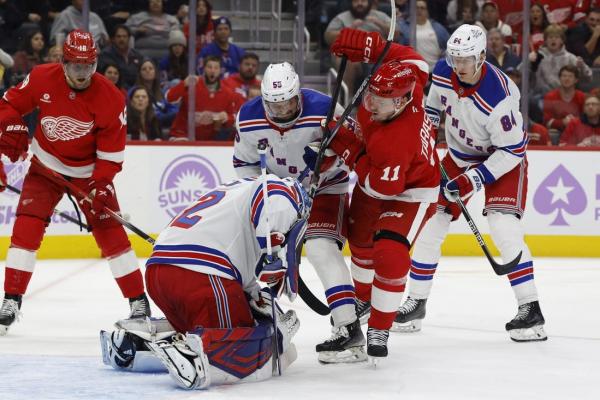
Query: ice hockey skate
x,y
140,307
363,311
528,324
377,344
9,312
410,316
346,345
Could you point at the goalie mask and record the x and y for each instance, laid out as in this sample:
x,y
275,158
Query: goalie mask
x,y
281,96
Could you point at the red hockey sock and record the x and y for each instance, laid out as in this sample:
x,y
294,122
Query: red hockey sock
x,y
132,284
16,281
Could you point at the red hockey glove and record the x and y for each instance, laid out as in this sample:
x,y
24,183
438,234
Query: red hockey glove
x,y
464,186
358,46
2,178
14,138
346,144
102,193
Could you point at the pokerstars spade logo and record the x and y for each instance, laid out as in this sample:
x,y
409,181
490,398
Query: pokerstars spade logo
x,y
184,180
559,194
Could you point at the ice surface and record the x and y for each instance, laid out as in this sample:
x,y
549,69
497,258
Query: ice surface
x,y
462,352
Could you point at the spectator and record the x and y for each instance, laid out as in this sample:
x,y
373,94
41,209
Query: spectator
x,y
538,22
54,55
455,12
11,17
113,74
72,18
215,105
467,13
30,55
560,12
148,78
142,123
490,18
246,79
431,35
551,57
499,54
174,66
151,30
582,8
229,53
361,15
583,40
565,103
584,131
204,25
122,55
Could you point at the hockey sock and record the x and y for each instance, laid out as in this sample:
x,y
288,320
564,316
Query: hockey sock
x,y
362,271
19,269
392,261
127,274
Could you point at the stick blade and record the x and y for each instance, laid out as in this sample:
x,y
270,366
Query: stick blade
x,y
503,269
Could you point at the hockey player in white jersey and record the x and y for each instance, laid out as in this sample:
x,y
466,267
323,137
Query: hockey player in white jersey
x,y
203,275
486,150
287,119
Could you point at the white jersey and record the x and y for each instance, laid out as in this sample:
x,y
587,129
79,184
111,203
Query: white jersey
x,y
224,232
483,123
286,146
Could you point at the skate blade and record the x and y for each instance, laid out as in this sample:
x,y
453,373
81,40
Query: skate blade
x,y
3,330
533,334
350,355
407,327
374,362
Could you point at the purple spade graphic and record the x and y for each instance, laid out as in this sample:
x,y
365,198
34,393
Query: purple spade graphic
x,y
560,191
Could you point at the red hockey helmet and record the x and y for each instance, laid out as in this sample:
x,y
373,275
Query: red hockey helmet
x,y
79,47
391,82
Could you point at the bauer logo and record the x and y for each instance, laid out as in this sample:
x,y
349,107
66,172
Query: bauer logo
x,y
560,193
185,179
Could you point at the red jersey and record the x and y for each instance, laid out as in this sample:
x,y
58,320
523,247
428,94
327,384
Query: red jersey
x,y
581,134
400,161
79,133
511,12
555,108
221,100
239,85
559,11
538,135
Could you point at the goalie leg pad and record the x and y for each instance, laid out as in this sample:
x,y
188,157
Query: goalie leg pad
x,y
185,360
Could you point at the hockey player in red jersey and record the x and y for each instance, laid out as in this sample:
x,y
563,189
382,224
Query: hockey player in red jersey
x,y
81,135
391,149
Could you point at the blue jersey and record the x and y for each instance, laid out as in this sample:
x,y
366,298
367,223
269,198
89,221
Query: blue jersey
x,y
288,146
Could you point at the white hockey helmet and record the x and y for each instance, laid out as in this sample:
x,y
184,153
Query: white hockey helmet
x,y
467,41
281,96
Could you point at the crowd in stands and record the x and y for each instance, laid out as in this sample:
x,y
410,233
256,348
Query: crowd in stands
x,y
143,47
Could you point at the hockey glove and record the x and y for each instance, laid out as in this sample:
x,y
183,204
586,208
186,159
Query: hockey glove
x,y
14,138
262,303
272,272
464,186
102,193
311,152
358,46
347,144
2,178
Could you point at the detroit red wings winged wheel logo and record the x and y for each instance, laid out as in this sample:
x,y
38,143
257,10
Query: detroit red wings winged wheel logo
x,y
64,128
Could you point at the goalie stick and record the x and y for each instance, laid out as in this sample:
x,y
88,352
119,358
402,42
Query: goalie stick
x,y
309,298
499,269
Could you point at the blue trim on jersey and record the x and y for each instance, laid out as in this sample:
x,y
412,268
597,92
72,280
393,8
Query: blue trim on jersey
x,y
486,175
468,157
255,128
314,104
479,106
442,85
237,163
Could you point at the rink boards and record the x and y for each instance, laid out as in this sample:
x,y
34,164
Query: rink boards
x,y
158,181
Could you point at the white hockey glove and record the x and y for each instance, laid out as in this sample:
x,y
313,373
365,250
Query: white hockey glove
x,y
262,303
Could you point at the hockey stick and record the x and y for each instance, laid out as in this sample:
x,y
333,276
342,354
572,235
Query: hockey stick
x,y
57,212
499,269
74,189
309,298
262,151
